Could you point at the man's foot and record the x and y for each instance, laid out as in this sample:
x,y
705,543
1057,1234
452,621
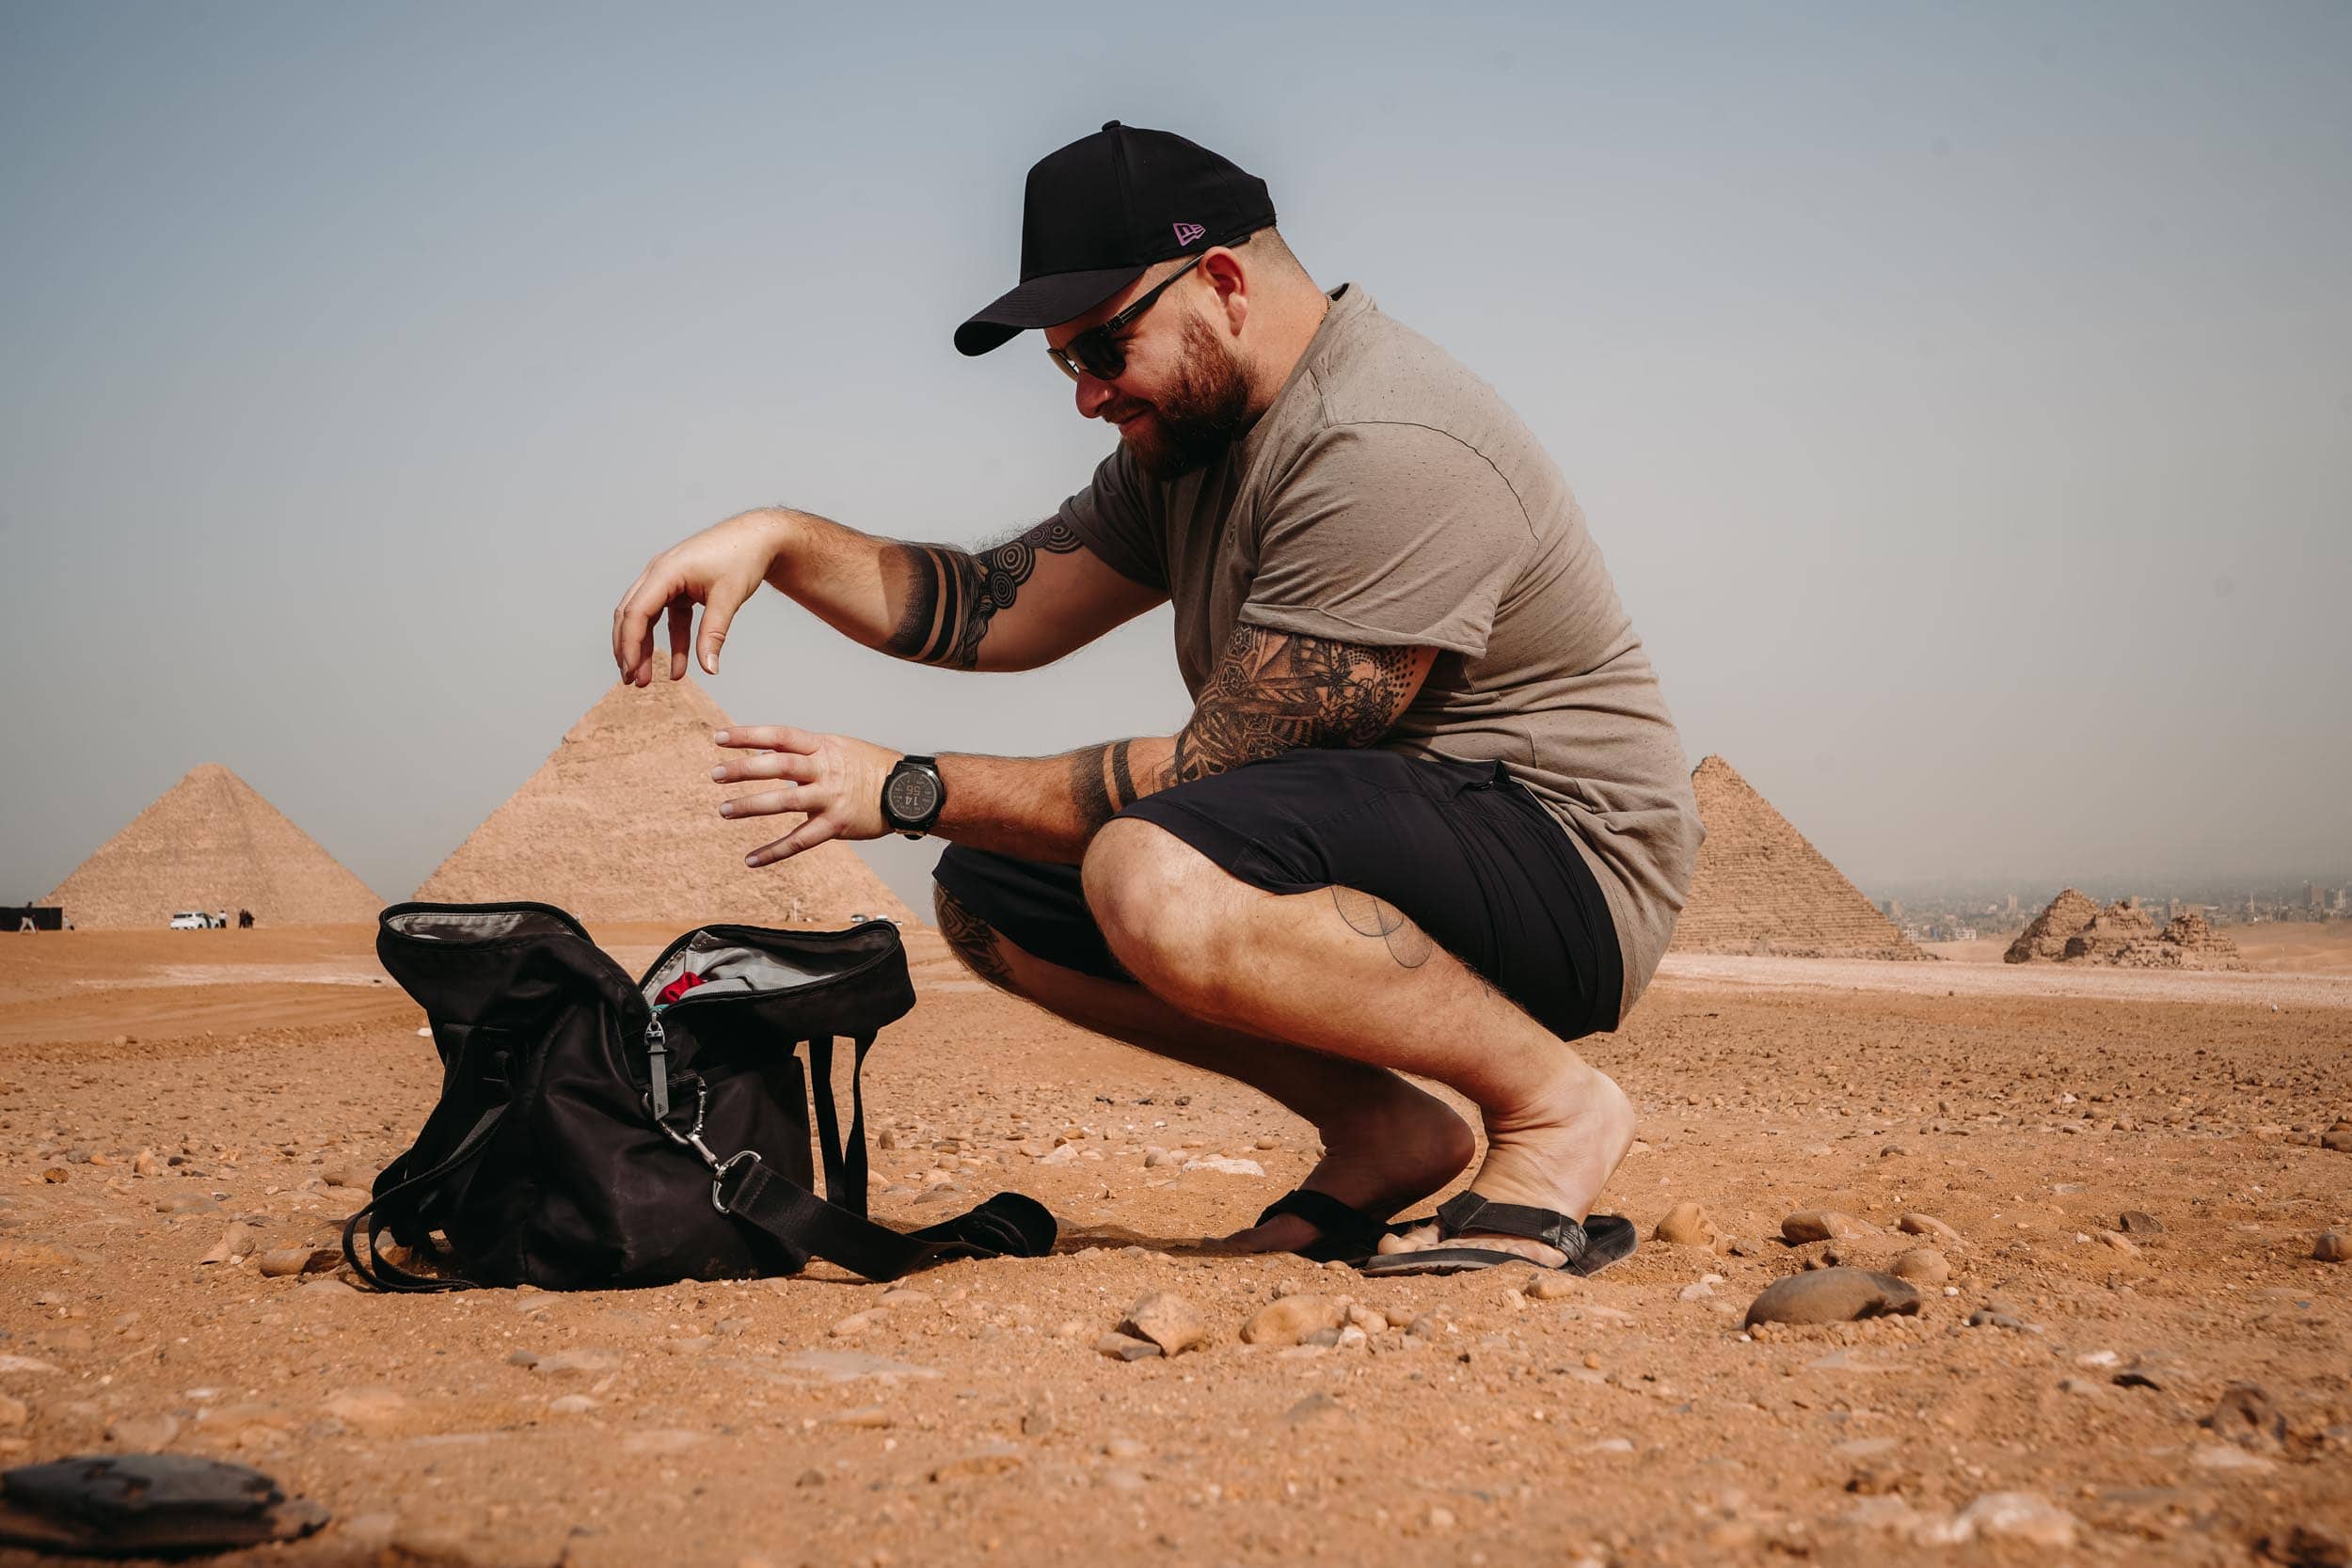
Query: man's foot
x,y
1382,1152
1556,1153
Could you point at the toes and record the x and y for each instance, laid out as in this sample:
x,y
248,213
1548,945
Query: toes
x,y
1412,1240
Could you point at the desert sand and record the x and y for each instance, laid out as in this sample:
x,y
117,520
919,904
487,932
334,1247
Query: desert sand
x,y
967,1417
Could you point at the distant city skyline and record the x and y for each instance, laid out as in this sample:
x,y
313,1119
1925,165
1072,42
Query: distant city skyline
x,y
1957,394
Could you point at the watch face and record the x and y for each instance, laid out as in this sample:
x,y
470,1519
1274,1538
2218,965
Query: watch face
x,y
912,795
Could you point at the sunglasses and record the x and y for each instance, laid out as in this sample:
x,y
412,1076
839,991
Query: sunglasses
x,y
1097,351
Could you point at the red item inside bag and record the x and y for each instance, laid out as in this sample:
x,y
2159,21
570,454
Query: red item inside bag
x,y
679,988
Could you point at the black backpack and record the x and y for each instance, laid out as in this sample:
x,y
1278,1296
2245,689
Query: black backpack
x,y
596,1132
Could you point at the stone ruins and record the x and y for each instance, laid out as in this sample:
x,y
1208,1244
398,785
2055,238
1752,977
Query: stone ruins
x,y
2075,929
621,823
1760,887
211,843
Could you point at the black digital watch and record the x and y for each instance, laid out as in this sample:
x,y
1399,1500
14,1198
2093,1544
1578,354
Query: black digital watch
x,y
912,796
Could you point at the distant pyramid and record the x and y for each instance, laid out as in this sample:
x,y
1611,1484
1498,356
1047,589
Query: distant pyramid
x,y
1761,887
621,822
2068,915
211,843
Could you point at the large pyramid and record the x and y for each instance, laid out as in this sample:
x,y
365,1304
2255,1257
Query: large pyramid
x,y
621,823
211,843
1761,887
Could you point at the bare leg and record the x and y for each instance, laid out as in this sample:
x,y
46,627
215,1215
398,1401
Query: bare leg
x,y
1387,1142
1339,973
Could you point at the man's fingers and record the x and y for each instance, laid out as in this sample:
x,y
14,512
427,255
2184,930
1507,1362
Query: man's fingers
x,y
766,765
717,616
767,737
806,836
638,610
681,628
767,802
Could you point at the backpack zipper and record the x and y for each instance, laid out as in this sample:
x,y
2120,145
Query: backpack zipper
x,y
657,1068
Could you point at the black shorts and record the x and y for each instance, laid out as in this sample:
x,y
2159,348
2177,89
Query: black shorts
x,y
1461,848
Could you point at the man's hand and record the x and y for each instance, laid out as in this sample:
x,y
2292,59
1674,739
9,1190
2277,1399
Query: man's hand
x,y
835,779
718,568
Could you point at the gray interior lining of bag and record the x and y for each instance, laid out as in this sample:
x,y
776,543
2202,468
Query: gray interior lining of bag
x,y
725,966
487,925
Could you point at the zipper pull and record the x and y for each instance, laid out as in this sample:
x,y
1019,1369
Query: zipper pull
x,y
658,1065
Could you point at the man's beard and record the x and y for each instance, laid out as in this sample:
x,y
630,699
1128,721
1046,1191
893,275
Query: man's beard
x,y
1200,417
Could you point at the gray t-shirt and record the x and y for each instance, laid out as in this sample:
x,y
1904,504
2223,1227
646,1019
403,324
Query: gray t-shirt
x,y
1389,498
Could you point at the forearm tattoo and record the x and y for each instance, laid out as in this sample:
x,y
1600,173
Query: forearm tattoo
x,y
1272,691
951,595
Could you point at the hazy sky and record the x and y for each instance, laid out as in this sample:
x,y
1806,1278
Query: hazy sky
x,y
1961,394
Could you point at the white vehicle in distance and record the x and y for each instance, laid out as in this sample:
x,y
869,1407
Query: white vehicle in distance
x,y
191,920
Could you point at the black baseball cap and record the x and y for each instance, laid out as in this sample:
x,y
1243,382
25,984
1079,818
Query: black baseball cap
x,y
1098,213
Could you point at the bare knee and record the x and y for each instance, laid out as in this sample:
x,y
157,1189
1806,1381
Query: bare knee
x,y
1155,898
972,939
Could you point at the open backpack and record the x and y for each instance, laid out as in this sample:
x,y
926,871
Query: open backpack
x,y
595,1131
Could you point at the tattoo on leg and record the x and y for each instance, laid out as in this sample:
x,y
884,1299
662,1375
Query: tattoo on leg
x,y
1408,944
972,939
952,595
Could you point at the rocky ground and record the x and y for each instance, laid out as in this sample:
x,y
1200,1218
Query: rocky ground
x,y
179,1109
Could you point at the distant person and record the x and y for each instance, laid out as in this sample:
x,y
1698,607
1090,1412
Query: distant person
x,y
1429,813
245,920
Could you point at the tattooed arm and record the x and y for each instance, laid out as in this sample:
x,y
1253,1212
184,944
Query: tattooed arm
x,y
1022,604
1271,692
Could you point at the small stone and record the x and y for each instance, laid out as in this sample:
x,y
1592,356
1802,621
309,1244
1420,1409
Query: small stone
x,y
2137,1221
53,1174
2243,1414
2306,1545
1125,1347
145,1163
1324,1338
2339,1139
1832,1297
14,1413
869,1416
993,1460
279,1261
1125,1448
902,1296
1929,1226
1423,1326
1921,1266
1371,1320
1824,1225
2018,1516
1442,1519
371,1411
1168,1321
1551,1286
1038,1420
1986,1316
1223,1165
2331,1247
571,1404
144,1434
1161,1159
577,1363
2119,1241
858,1323
1293,1320
1687,1224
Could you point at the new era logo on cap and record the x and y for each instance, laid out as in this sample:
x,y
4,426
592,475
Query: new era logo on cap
x,y
1187,232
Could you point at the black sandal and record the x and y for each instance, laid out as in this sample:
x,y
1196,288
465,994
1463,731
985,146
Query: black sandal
x,y
1591,1247
1349,1233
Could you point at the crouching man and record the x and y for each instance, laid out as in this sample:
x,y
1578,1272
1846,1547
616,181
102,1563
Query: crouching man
x,y
1429,815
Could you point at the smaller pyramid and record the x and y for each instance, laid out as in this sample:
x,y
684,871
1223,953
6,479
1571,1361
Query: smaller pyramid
x,y
621,823
1761,887
2075,930
211,842
2068,914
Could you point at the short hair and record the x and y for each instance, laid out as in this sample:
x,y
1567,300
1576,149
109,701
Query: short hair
x,y
1268,241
